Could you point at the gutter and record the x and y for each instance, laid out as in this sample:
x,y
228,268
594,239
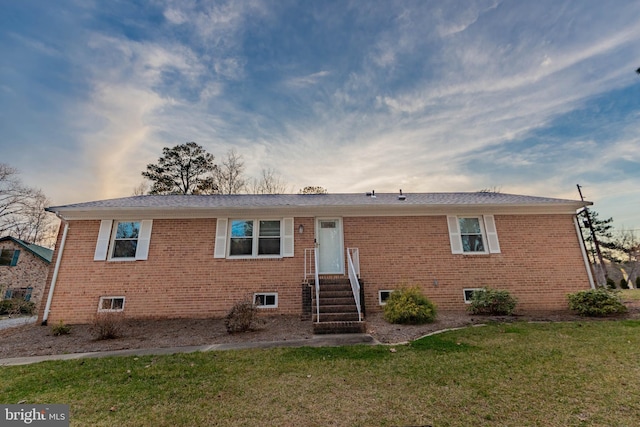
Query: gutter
x,y
52,286
585,258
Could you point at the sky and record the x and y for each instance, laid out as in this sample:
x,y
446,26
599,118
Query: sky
x,y
524,97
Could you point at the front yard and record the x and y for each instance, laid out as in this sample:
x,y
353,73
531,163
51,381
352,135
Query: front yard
x,y
517,374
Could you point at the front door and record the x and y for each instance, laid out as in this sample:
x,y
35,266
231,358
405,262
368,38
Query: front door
x,y
330,246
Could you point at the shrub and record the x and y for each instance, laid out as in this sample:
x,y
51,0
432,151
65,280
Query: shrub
x,y
60,329
17,306
624,284
638,282
611,284
242,317
596,303
493,302
409,306
107,325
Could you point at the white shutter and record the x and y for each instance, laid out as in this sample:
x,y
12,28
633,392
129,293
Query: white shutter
x,y
220,250
142,251
287,237
102,245
454,235
492,234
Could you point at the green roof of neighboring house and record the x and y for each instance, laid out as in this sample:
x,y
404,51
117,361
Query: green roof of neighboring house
x,y
41,252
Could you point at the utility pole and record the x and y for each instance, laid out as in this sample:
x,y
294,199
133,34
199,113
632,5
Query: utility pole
x,y
596,245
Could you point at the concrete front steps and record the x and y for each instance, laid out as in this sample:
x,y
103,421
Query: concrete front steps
x,y
338,311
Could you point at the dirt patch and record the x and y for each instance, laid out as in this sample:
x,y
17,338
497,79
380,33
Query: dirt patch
x,y
36,340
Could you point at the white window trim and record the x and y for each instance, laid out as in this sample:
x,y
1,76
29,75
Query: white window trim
x,y
274,294
464,294
380,302
487,230
222,247
106,310
107,235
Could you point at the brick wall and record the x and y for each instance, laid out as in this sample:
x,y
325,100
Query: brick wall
x,y
540,263
31,271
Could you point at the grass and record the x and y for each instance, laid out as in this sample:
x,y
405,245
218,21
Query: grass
x,y
630,294
563,374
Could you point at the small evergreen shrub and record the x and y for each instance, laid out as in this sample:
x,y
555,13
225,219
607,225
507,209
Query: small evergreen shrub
x,y
107,325
638,282
611,284
493,302
409,306
596,303
624,284
242,317
60,329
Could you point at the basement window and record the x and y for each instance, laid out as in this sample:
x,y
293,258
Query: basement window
x,y
383,296
266,300
111,304
468,294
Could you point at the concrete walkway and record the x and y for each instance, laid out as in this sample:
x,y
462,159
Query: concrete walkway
x,y
316,341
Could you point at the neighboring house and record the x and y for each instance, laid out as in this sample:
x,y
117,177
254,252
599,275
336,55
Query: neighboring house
x,y
196,256
23,269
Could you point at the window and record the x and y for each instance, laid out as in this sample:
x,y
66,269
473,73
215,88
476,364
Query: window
x,y
468,294
473,234
9,257
383,296
123,240
266,300
111,304
254,238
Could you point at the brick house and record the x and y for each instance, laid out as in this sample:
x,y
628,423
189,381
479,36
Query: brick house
x,y
23,269
195,256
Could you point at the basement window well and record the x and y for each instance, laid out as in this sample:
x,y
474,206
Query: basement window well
x,y
111,304
468,294
383,296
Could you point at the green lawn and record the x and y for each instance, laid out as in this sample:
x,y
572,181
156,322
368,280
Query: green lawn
x,y
564,374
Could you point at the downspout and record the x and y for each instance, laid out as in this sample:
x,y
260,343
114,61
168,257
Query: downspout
x,y
587,264
55,272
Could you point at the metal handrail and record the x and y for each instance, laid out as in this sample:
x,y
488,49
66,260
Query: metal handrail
x,y
307,261
353,277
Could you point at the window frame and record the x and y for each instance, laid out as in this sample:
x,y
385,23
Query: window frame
x,y
111,310
13,258
483,234
266,294
471,290
380,292
255,238
114,234
106,237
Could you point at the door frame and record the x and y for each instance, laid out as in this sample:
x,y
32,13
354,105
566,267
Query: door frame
x,y
339,222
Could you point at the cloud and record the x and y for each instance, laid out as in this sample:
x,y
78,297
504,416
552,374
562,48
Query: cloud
x,y
308,80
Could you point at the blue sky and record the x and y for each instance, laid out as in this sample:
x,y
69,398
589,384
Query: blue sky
x,y
528,97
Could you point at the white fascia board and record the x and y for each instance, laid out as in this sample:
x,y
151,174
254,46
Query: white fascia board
x,y
314,211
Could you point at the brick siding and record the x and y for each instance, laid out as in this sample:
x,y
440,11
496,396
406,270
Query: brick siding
x,y
540,263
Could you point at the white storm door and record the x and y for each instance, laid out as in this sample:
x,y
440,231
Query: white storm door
x,y
330,246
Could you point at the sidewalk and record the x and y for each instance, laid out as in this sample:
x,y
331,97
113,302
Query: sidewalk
x,y
316,341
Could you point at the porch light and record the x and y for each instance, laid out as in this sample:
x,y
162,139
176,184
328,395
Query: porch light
x,y
301,229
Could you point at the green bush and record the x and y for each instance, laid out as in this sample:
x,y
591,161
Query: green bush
x,y
624,284
409,306
596,303
17,306
611,284
492,301
60,329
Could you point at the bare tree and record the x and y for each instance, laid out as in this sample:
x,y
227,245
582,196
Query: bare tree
x,y
22,213
229,176
140,189
269,183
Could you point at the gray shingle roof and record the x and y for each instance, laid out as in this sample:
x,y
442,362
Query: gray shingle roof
x,y
302,200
